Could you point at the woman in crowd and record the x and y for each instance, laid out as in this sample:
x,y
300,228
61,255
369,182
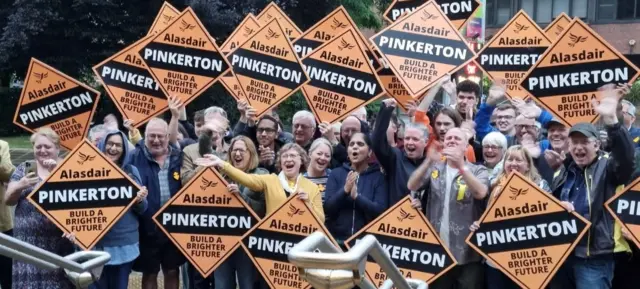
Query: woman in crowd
x,y
30,225
356,192
320,158
518,159
291,159
494,145
244,157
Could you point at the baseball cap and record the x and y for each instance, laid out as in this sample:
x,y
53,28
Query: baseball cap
x,y
553,121
584,128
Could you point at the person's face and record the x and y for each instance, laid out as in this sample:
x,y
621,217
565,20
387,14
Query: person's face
x,y
524,126
336,132
391,132
197,127
414,143
628,118
492,154
455,138
516,161
156,138
583,149
320,158
114,147
443,124
303,130
240,156
290,162
44,149
350,126
266,132
358,150
505,120
466,100
558,135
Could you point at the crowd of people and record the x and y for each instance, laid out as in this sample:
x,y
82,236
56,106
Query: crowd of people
x,y
451,159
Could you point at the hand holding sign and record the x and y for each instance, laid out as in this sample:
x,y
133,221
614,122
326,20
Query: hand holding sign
x,y
233,188
411,107
390,102
448,86
303,196
141,195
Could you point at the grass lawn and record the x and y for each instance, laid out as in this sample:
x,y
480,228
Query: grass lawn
x,y
18,141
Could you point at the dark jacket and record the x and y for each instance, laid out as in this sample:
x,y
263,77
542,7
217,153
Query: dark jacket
x,y
339,156
255,200
125,231
397,166
606,173
149,169
346,216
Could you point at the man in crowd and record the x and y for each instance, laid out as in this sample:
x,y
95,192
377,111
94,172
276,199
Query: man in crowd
x,y
629,118
304,128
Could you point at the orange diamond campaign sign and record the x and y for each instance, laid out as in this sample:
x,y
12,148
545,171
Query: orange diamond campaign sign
x,y
269,242
267,68
184,59
342,79
272,11
130,85
422,47
569,74
165,17
625,208
404,229
53,99
526,233
512,51
86,194
205,221
557,26
392,84
245,29
458,11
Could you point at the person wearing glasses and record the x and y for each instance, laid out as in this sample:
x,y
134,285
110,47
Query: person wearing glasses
x,y
493,147
304,128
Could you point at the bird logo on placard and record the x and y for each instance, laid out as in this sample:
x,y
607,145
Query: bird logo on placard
x,y
520,27
271,34
344,44
337,24
294,211
559,29
269,16
167,19
85,158
184,25
247,31
428,16
517,192
207,184
40,76
575,39
405,216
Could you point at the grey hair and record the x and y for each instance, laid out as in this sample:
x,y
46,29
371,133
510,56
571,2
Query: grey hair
x,y
361,113
419,126
157,120
318,142
214,110
97,129
305,114
632,108
495,138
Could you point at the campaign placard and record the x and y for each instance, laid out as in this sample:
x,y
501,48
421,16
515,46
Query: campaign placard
x,y
392,84
526,233
205,221
423,47
458,11
245,29
131,87
410,241
557,26
183,58
53,99
166,15
335,23
625,208
567,77
342,79
86,194
267,68
512,51
272,11
268,243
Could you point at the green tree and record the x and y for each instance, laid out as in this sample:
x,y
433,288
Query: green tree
x,y
363,13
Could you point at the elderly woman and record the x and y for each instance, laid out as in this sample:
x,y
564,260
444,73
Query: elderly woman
x,y
320,158
494,145
290,161
30,225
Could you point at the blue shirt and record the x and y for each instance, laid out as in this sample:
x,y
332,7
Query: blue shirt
x,y
578,194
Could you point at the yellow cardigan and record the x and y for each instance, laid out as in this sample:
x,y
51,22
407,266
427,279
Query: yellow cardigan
x,y
273,190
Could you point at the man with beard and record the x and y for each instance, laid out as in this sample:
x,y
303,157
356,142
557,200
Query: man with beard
x,y
454,193
398,164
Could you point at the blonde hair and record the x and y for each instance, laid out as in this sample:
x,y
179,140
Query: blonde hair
x,y
321,141
304,157
48,133
532,174
251,148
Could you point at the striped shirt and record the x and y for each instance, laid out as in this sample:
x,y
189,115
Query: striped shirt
x,y
320,181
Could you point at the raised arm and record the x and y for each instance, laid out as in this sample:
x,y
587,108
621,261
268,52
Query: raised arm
x,y
417,178
175,106
382,149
